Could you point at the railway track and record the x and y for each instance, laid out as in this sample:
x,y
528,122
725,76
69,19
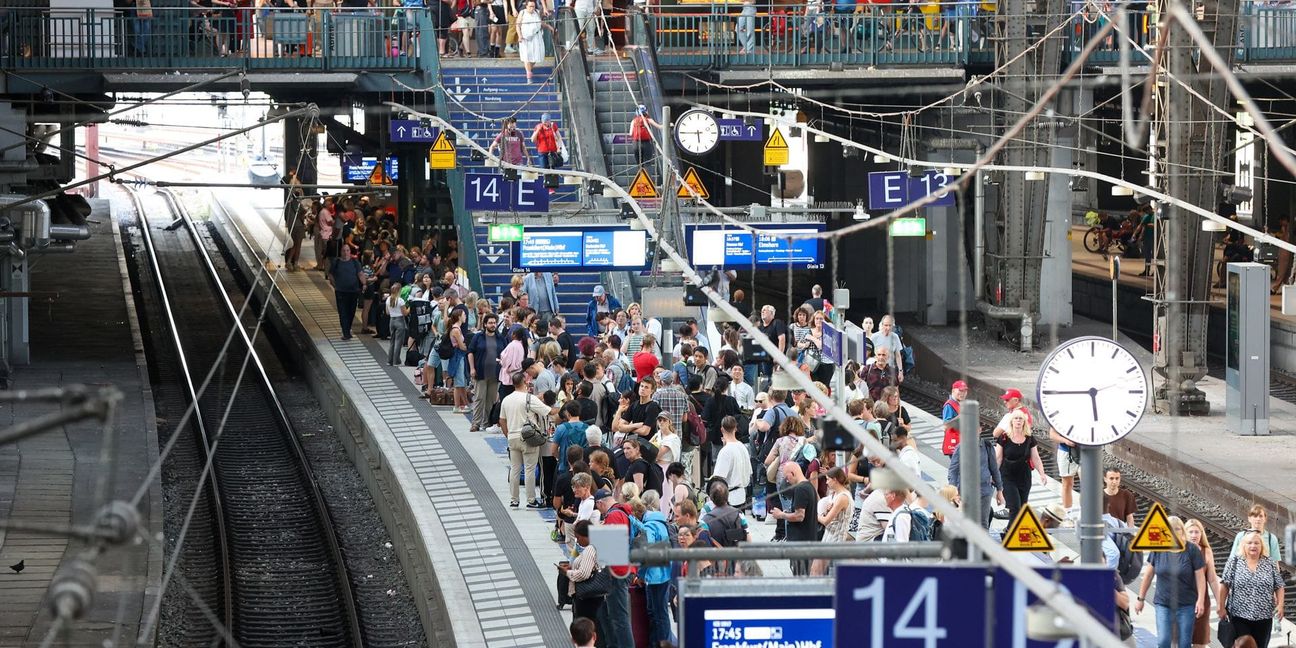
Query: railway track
x,y
1220,526
280,577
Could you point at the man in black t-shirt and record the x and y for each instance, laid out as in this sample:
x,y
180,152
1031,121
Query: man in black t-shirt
x,y
802,519
644,475
775,330
564,339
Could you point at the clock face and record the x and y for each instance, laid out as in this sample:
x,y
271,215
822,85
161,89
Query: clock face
x,y
697,131
1092,390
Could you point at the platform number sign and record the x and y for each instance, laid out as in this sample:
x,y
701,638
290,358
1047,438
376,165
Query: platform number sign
x,y
492,192
911,606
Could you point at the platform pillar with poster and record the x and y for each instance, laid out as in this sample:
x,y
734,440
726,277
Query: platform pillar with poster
x,y
1246,349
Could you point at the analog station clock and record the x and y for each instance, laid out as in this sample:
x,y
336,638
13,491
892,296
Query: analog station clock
x,y
697,131
1092,390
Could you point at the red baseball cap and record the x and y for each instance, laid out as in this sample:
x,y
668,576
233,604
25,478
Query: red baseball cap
x,y
1011,393
959,384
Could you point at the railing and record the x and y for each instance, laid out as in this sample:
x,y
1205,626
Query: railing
x,y
728,35
191,38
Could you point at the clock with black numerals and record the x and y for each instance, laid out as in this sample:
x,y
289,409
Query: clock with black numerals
x,y
697,131
1092,390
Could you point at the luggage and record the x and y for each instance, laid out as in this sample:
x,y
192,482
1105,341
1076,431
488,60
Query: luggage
x,y
441,396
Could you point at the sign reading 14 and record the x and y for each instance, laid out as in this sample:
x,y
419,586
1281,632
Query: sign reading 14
x,y
492,192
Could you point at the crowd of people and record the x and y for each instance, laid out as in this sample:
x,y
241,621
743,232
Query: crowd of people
x,y
691,444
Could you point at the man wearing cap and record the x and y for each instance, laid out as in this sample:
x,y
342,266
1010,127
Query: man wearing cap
x,y
600,303
1012,399
614,616
547,141
949,416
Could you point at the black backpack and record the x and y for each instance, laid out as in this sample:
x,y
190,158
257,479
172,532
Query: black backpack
x,y
725,525
445,348
1131,562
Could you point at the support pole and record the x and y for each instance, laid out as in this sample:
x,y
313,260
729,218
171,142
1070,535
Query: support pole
x,y
969,450
1091,507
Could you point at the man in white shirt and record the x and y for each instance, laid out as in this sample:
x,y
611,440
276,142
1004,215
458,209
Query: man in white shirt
x,y
733,462
886,338
1013,401
872,516
741,391
514,412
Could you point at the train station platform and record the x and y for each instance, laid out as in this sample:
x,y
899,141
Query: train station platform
x,y
1191,454
82,332
489,566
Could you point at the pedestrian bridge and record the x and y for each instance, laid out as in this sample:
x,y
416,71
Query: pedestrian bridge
x,y
181,40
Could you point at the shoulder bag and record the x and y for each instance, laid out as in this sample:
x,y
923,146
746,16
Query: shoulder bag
x,y
532,432
598,585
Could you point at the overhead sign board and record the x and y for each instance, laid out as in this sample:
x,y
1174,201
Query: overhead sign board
x,y
505,232
776,149
1093,585
492,192
358,169
895,189
442,153
901,227
411,131
910,606
729,613
592,248
718,245
832,344
736,130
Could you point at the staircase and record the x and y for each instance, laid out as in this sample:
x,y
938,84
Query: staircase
x,y
482,92
574,289
615,106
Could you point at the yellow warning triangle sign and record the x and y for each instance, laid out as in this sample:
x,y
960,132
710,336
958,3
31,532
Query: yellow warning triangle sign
x,y
642,186
1026,533
379,174
776,140
1155,533
442,144
692,179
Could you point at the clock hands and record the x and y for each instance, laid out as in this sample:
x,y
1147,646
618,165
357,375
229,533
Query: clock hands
x,y
1092,393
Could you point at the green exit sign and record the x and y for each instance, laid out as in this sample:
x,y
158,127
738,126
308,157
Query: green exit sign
x,y
505,232
909,227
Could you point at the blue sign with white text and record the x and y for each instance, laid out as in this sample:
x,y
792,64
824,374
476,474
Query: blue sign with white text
x,y
411,131
492,192
717,245
758,620
359,169
591,247
895,189
832,344
1093,586
736,130
910,606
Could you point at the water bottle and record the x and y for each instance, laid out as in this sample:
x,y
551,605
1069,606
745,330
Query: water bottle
x,y
758,507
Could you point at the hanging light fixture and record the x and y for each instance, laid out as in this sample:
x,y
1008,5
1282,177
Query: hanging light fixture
x,y
1122,191
783,380
720,315
1034,175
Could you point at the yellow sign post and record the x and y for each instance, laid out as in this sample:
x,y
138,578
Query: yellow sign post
x,y
642,186
776,149
693,180
1155,533
1026,533
442,153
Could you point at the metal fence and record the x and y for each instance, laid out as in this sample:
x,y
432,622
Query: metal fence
x,y
188,38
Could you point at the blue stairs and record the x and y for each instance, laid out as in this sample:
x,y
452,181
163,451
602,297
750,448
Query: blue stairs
x,y
575,289
494,91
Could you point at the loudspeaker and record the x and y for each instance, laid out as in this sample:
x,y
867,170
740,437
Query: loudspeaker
x,y
835,437
693,296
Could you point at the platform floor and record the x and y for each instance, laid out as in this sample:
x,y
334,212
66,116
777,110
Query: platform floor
x,y
1094,265
511,593
81,332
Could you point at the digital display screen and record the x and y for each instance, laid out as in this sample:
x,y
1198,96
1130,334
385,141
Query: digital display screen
x,y
604,248
751,621
358,169
718,246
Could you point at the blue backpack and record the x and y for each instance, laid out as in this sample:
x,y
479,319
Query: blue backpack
x,y
920,523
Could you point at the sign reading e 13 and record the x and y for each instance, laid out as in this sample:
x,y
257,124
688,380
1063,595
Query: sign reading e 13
x,y
895,189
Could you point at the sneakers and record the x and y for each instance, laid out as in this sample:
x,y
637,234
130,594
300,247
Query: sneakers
x,y
535,504
494,429
513,504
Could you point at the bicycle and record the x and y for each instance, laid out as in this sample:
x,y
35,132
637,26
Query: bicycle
x,y
1099,240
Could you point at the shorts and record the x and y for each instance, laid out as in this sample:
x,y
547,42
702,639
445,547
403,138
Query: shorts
x,y
463,23
497,15
1068,463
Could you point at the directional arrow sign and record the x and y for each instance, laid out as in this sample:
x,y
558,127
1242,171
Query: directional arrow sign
x,y
736,130
458,91
410,131
493,253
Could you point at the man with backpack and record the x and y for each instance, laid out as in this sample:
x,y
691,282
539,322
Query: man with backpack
x,y
909,523
548,143
657,581
724,523
614,616
483,367
767,433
